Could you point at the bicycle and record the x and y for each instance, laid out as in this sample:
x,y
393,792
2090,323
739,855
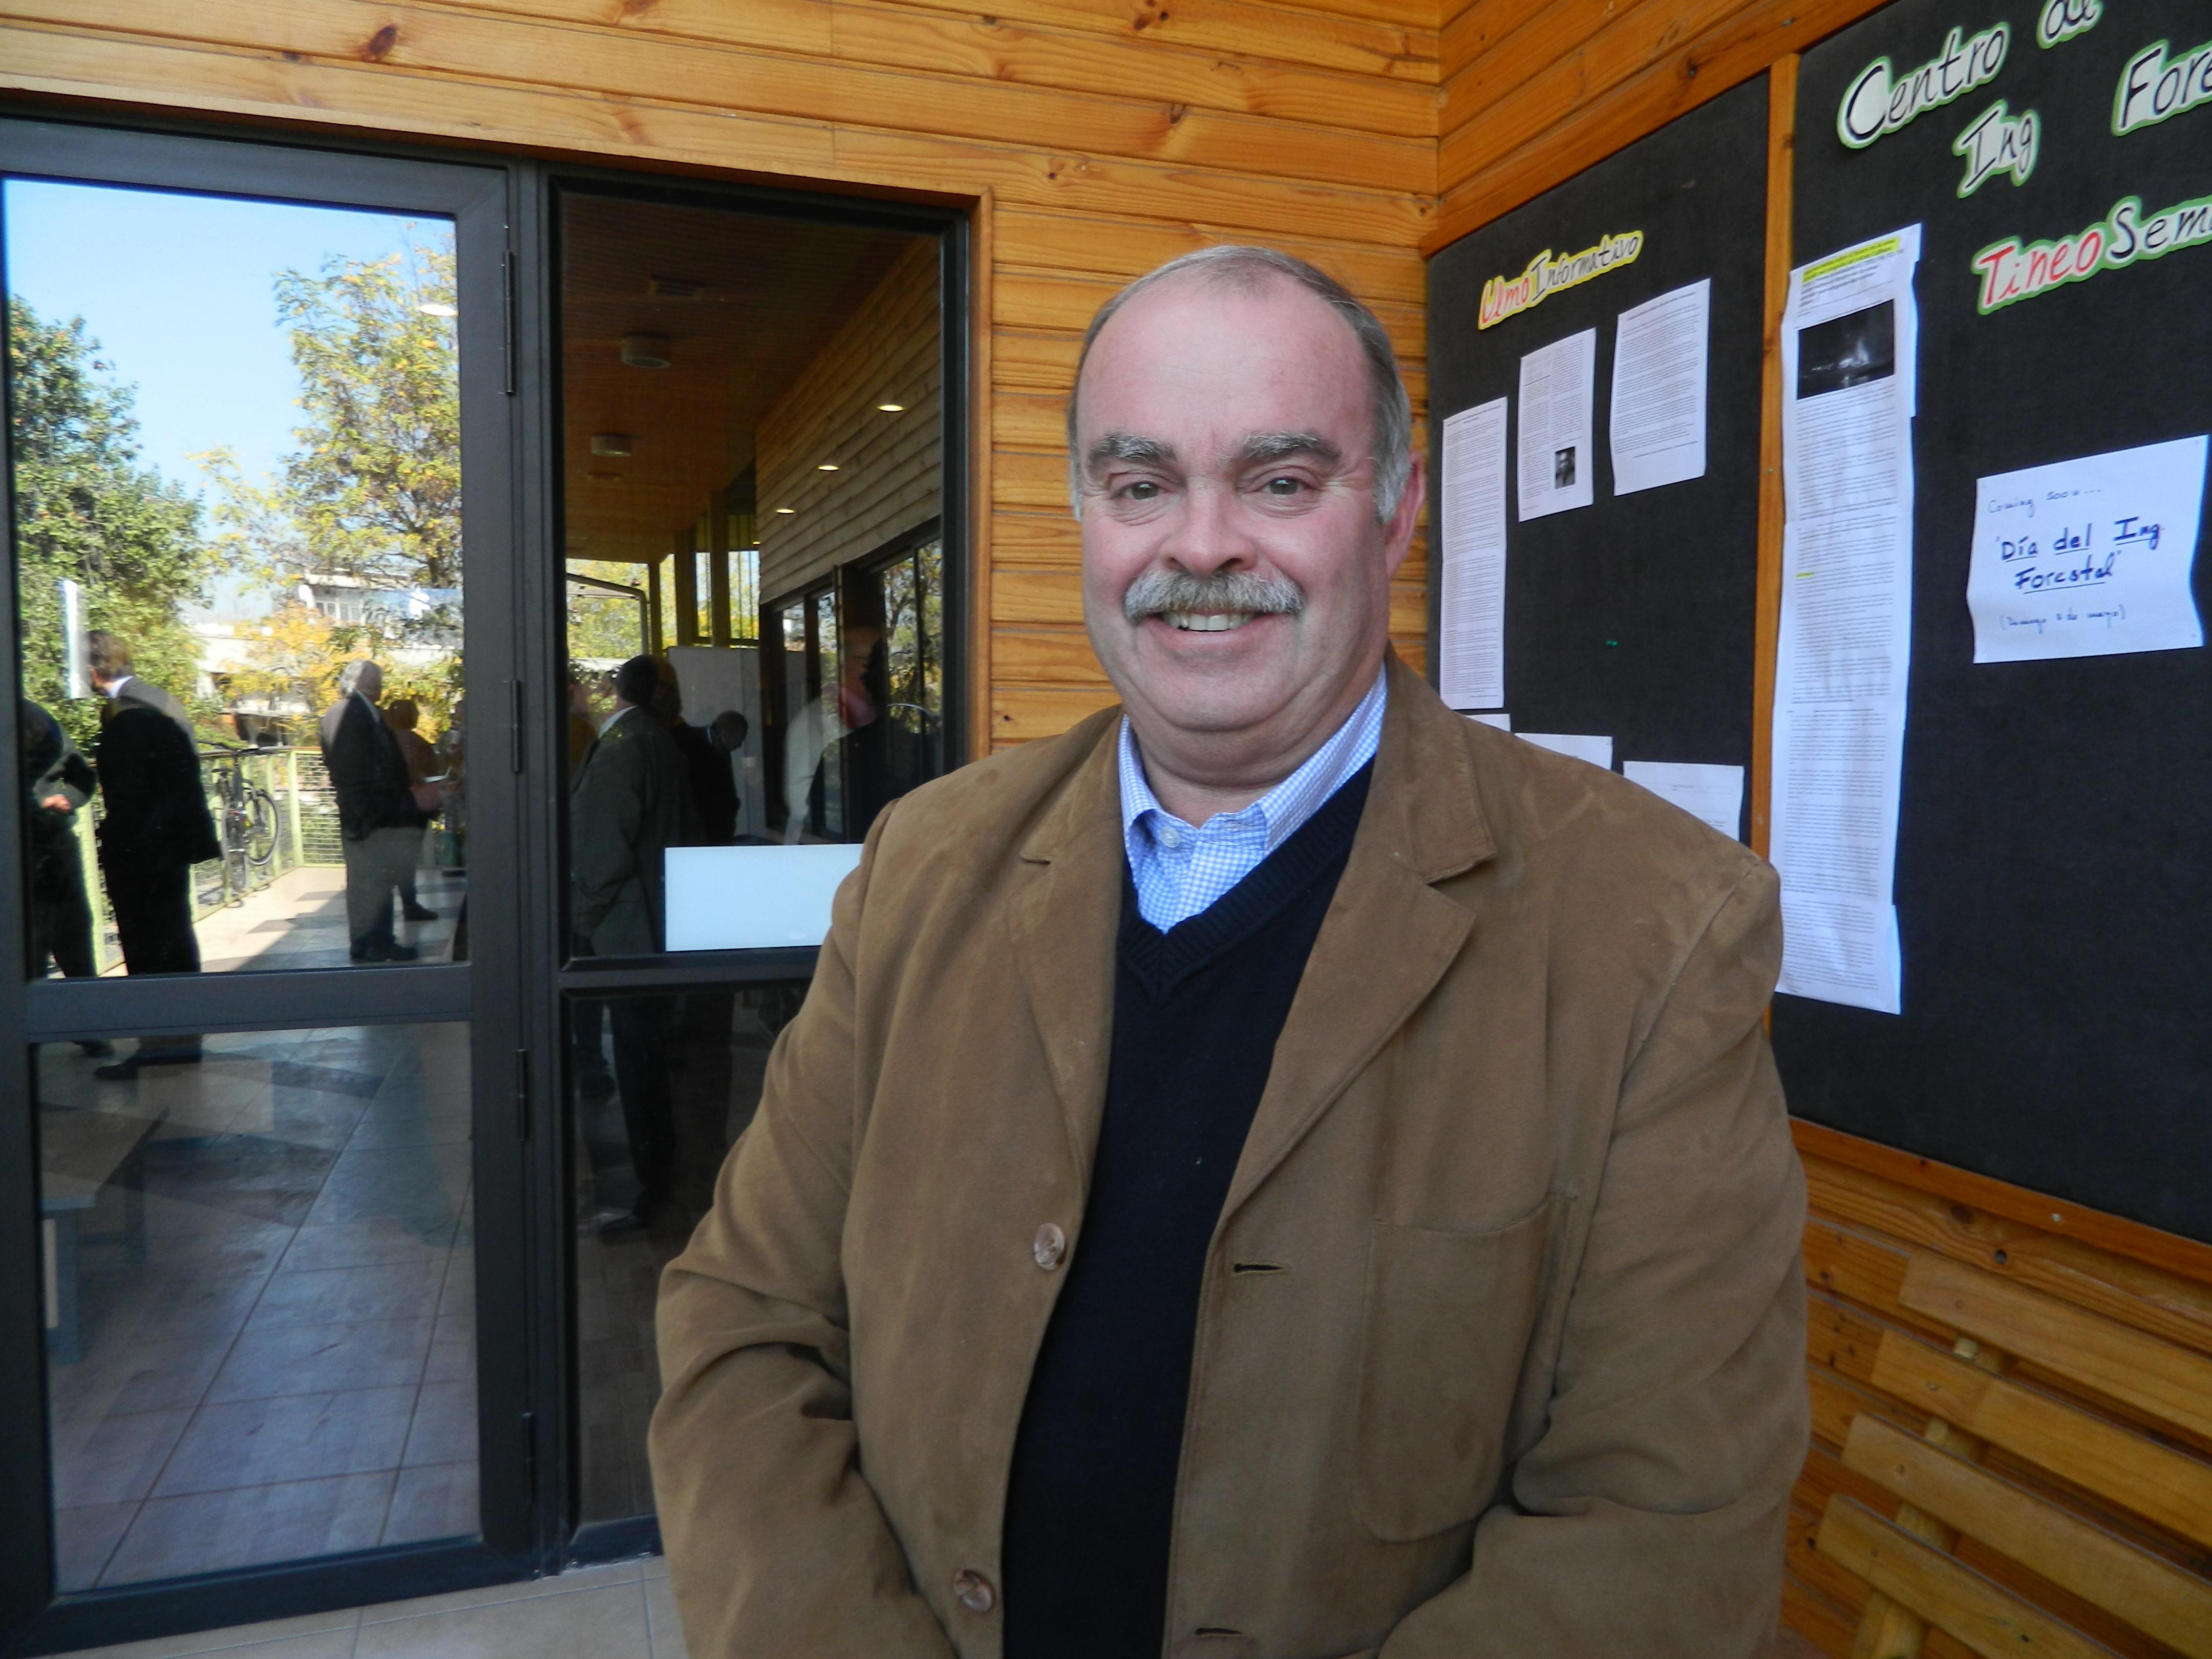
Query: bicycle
x,y
249,820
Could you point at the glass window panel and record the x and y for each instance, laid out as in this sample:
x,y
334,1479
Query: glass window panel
x,y
661,1085
729,374
237,479
260,1300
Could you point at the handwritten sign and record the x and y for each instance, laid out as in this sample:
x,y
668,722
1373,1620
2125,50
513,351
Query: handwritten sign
x,y
2089,557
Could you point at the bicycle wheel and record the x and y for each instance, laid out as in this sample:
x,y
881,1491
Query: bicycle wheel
x,y
259,812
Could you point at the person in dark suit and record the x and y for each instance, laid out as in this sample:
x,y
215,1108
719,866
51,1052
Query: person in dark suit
x,y
630,803
155,828
707,772
379,823
58,781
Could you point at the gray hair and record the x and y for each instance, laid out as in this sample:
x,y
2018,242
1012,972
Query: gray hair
x,y
355,668
1247,267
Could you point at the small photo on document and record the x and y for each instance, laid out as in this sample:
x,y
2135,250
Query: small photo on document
x,y
1847,351
1562,468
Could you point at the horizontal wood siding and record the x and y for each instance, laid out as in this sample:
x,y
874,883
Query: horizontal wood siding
x,y
1875,1212
1534,93
1097,137
886,480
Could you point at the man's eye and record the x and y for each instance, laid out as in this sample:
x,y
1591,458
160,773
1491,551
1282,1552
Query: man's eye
x,y
1284,486
1144,490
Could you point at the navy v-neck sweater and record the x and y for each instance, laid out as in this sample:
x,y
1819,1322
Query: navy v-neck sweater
x,y
1090,1498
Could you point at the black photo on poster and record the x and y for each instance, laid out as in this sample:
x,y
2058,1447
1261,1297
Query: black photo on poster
x,y
1847,351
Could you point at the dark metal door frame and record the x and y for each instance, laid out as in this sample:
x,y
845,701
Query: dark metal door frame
x,y
505,219
478,201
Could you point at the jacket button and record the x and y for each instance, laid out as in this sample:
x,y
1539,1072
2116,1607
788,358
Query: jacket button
x,y
1050,1247
973,1591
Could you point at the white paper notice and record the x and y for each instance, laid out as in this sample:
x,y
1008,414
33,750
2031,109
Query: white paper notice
x,y
2089,558
1556,384
1849,351
1658,420
1502,721
1471,655
1598,752
1712,793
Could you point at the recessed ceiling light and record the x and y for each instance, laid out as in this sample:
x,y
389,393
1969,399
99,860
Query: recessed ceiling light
x,y
827,466
892,408
645,350
437,309
610,443
786,509
674,287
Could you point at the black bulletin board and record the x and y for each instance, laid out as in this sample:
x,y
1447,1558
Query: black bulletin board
x,y
2054,869
1632,617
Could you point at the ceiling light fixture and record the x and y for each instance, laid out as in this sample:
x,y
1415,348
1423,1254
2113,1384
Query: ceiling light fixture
x,y
674,287
892,408
827,466
786,509
645,350
616,444
437,309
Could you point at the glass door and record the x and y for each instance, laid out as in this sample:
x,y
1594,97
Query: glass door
x,y
263,1140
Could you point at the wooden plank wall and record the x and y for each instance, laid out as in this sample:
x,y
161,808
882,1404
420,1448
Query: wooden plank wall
x,y
1533,91
1093,138
1874,1211
887,477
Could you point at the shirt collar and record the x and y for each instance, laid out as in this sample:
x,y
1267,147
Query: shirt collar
x,y
115,687
1282,810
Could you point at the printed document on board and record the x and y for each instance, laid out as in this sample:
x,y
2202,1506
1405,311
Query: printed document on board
x,y
1557,382
1712,793
1850,353
1658,418
1471,607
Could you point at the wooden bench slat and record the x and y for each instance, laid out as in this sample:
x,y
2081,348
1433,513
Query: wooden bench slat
x,y
2153,1596
1982,1614
2165,1487
2164,1383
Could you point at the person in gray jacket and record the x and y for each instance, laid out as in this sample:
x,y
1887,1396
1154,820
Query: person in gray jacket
x,y
630,803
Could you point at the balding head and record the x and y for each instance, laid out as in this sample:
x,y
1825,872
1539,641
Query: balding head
x,y
1250,268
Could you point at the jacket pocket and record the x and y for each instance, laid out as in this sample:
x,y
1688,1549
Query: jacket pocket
x,y
1447,1322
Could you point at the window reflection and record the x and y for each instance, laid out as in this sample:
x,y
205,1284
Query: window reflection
x,y
237,482
661,1085
259,1287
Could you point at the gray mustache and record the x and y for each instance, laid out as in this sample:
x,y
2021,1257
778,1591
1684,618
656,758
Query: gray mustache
x,y
1159,591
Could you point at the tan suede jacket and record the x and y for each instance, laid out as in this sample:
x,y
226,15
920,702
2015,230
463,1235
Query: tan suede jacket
x,y
1500,1350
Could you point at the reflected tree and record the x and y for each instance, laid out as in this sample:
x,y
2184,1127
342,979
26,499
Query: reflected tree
x,y
369,503
88,509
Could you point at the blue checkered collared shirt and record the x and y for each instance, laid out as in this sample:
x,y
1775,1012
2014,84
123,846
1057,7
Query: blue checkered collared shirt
x,y
1179,870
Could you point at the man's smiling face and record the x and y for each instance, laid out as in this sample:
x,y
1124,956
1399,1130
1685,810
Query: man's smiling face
x,y
1236,578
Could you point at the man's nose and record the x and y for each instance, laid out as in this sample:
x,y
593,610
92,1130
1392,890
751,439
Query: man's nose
x,y
1208,537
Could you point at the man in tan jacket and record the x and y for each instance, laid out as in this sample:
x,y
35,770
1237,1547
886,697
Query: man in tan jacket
x,y
1280,1171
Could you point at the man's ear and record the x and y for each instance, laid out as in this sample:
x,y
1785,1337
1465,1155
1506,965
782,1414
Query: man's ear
x,y
1398,534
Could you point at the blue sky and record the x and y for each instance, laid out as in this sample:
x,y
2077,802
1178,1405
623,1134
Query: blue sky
x,y
179,291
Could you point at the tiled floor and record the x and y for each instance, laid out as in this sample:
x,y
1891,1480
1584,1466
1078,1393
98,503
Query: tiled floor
x,y
623,1611
298,920
277,1305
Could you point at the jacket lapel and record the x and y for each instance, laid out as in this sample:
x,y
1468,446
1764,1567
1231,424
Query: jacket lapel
x,y
1388,935
1065,914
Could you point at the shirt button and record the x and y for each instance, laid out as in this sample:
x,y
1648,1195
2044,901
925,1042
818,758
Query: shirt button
x,y
1170,836
973,1591
1050,1247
